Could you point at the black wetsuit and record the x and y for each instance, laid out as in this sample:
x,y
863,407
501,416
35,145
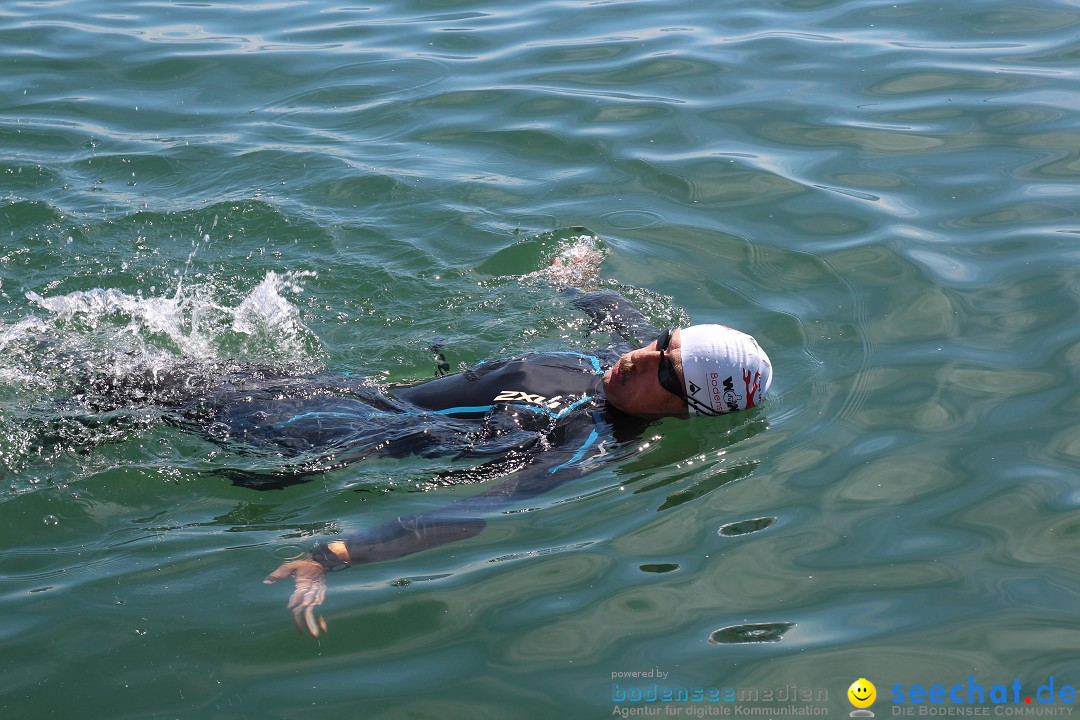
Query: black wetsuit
x,y
545,408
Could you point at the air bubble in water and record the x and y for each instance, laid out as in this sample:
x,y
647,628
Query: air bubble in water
x,y
51,520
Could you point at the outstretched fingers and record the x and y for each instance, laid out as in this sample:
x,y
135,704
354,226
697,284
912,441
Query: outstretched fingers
x,y
310,579
309,594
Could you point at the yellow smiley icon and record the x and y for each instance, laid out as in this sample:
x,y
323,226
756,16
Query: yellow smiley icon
x,y
862,693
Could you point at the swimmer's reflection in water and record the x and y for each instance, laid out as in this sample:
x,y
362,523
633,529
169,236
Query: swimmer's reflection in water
x,y
533,421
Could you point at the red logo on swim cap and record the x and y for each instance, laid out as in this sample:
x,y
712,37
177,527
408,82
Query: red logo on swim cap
x,y
751,391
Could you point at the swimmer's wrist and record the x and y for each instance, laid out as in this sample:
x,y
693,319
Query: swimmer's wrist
x,y
331,555
340,550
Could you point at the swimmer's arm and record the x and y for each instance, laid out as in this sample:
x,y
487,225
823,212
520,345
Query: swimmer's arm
x,y
411,534
401,537
466,517
451,523
612,312
578,267
521,479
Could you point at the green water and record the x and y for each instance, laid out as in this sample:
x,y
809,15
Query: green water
x,y
884,193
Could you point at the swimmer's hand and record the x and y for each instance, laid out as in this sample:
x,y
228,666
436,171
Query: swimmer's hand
x,y
310,578
577,265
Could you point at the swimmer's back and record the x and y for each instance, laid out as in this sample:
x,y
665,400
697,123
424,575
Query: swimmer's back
x,y
549,383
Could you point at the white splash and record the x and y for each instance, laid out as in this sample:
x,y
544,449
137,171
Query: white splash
x,y
576,264
191,323
266,313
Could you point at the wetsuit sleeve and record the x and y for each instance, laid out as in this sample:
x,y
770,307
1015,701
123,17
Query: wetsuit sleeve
x,y
465,518
612,312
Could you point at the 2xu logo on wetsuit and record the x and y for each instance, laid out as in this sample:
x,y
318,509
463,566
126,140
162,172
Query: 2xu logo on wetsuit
x,y
521,396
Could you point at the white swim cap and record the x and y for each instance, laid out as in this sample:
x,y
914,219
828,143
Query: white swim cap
x,y
723,369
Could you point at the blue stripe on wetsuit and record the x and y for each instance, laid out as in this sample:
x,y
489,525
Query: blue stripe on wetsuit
x,y
593,360
580,451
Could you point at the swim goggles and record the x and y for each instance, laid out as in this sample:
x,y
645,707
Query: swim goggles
x,y
668,378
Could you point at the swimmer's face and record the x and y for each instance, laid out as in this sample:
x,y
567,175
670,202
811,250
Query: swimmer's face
x,y
633,384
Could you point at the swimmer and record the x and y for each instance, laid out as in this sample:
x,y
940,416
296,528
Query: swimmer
x,y
534,422
696,370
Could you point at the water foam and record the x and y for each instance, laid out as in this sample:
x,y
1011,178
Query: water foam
x,y
190,324
576,263
46,359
